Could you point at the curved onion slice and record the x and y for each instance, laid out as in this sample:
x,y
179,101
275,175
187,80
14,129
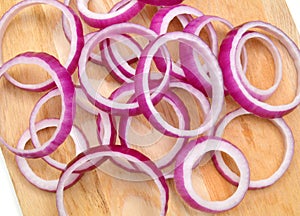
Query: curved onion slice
x,y
77,40
143,91
118,66
161,21
192,67
194,152
64,83
162,3
261,94
49,185
128,10
228,62
144,163
163,17
184,123
255,184
97,58
106,131
94,97
80,140
195,72
183,117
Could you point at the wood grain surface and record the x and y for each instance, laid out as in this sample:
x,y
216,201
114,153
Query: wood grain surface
x,y
38,28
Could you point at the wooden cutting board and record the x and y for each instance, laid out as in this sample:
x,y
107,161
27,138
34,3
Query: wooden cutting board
x,y
38,28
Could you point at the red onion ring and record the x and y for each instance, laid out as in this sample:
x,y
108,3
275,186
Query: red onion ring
x,y
94,97
163,17
97,59
81,144
64,83
194,151
106,131
184,122
228,62
162,3
119,67
77,40
49,185
143,93
255,184
261,94
161,21
128,10
192,67
128,90
182,113
136,157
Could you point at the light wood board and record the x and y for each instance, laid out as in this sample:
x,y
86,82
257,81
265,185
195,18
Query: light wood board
x,y
38,28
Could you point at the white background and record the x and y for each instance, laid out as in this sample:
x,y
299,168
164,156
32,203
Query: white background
x,y
8,200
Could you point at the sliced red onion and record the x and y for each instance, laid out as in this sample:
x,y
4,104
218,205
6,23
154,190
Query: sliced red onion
x,y
49,185
136,157
97,59
66,27
162,3
194,152
192,67
195,72
261,94
143,91
255,184
162,19
118,66
64,83
228,63
127,90
94,97
106,131
184,123
97,20
79,139
77,40
160,23
94,57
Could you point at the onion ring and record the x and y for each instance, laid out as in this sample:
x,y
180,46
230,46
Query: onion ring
x,y
77,40
64,83
255,184
190,155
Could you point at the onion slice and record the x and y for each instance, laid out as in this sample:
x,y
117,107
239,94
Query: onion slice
x,y
184,123
161,21
79,138
64,83
106,132
144,163
255,184
194,152
77,40
261,94
118,66
192,67
143,91
128,10
49,185
228,63
94,97
162,3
